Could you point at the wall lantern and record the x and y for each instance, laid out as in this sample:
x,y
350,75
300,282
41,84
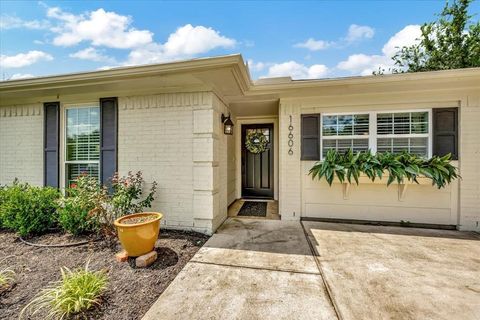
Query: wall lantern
x,y
227,124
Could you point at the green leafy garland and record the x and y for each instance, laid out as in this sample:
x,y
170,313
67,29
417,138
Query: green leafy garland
x,y
400,167
256,142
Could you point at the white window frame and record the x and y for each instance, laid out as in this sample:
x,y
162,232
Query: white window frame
x,y
65,124
372,129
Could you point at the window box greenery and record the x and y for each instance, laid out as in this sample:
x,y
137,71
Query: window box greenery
x,y
365,167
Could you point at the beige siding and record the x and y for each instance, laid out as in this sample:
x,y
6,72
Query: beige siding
x,y
470,162
21,144
290,188
459,203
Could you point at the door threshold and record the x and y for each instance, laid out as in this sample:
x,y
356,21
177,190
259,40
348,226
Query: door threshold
x,y
257,199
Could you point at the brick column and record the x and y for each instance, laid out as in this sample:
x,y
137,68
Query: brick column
x,y
205,167
290,179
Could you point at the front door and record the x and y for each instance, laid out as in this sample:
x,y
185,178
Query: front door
x,y
257,168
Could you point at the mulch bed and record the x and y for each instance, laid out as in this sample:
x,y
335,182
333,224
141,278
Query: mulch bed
x,y
131,290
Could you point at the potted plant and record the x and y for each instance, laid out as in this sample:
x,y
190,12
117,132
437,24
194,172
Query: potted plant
x,y
138,232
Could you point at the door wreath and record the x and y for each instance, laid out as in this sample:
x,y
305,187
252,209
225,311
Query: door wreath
x,y
256,142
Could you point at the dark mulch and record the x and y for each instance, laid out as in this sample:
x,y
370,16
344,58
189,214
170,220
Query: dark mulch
x,y
253,209
131,291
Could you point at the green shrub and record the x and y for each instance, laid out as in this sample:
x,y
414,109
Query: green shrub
x,y
27,209
400,167
3,191
77,213
75,293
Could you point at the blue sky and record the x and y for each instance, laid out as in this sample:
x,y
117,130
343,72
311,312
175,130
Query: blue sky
x,y
302,39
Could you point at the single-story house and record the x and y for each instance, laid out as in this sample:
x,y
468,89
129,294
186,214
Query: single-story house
x,y
170,121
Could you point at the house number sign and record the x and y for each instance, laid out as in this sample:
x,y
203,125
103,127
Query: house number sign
x,y
290,137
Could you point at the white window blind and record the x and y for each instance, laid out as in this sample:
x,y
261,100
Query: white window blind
x,y
82,142
378,131
343,132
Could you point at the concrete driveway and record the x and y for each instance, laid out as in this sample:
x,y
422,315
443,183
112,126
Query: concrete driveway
x,y
399,273
263,269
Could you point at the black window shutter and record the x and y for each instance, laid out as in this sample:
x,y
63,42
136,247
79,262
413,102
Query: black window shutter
x,y
108,138
310,137
51,144
445,132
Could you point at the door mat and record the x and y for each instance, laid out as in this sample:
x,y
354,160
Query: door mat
x,y
253,209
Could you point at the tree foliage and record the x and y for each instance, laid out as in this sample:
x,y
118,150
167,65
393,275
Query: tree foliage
x,y
451,42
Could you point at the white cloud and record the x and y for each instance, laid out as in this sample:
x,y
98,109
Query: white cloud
x,y
256,66
405,37
356,32
11,22
92,54
189,40
186,42
23,59
99,27
314,45
18,76
365,64
297,70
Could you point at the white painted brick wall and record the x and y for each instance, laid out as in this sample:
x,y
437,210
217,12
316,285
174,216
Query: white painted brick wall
x,y
157,135
21,144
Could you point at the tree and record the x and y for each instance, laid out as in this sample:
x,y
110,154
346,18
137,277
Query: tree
x,y
451,42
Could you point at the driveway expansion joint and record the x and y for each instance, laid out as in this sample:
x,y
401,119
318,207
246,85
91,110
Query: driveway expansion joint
x,y
254,268
331,299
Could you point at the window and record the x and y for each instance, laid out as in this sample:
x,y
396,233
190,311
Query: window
x,y
378,131
82,142
403,131
343,132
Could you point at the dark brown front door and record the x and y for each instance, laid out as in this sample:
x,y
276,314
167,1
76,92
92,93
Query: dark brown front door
x,y
257,169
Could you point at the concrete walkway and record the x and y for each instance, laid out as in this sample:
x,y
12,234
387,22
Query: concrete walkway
x,y
263,269
249,269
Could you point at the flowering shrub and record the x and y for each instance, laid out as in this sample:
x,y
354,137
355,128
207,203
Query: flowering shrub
x,y
127,193
79,209
88,208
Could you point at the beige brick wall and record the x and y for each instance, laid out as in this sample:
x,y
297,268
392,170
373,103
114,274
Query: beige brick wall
x,y
171,138
21,144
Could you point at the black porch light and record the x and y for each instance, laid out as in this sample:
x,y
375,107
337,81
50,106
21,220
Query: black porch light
x,y
227,124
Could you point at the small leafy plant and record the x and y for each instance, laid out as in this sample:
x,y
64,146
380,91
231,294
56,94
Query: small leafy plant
x,y
402,167
75,293
27,209
7,277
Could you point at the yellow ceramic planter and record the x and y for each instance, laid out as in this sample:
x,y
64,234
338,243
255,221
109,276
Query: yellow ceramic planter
x,y
138,238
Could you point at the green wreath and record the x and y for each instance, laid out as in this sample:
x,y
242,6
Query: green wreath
x,y
256,142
